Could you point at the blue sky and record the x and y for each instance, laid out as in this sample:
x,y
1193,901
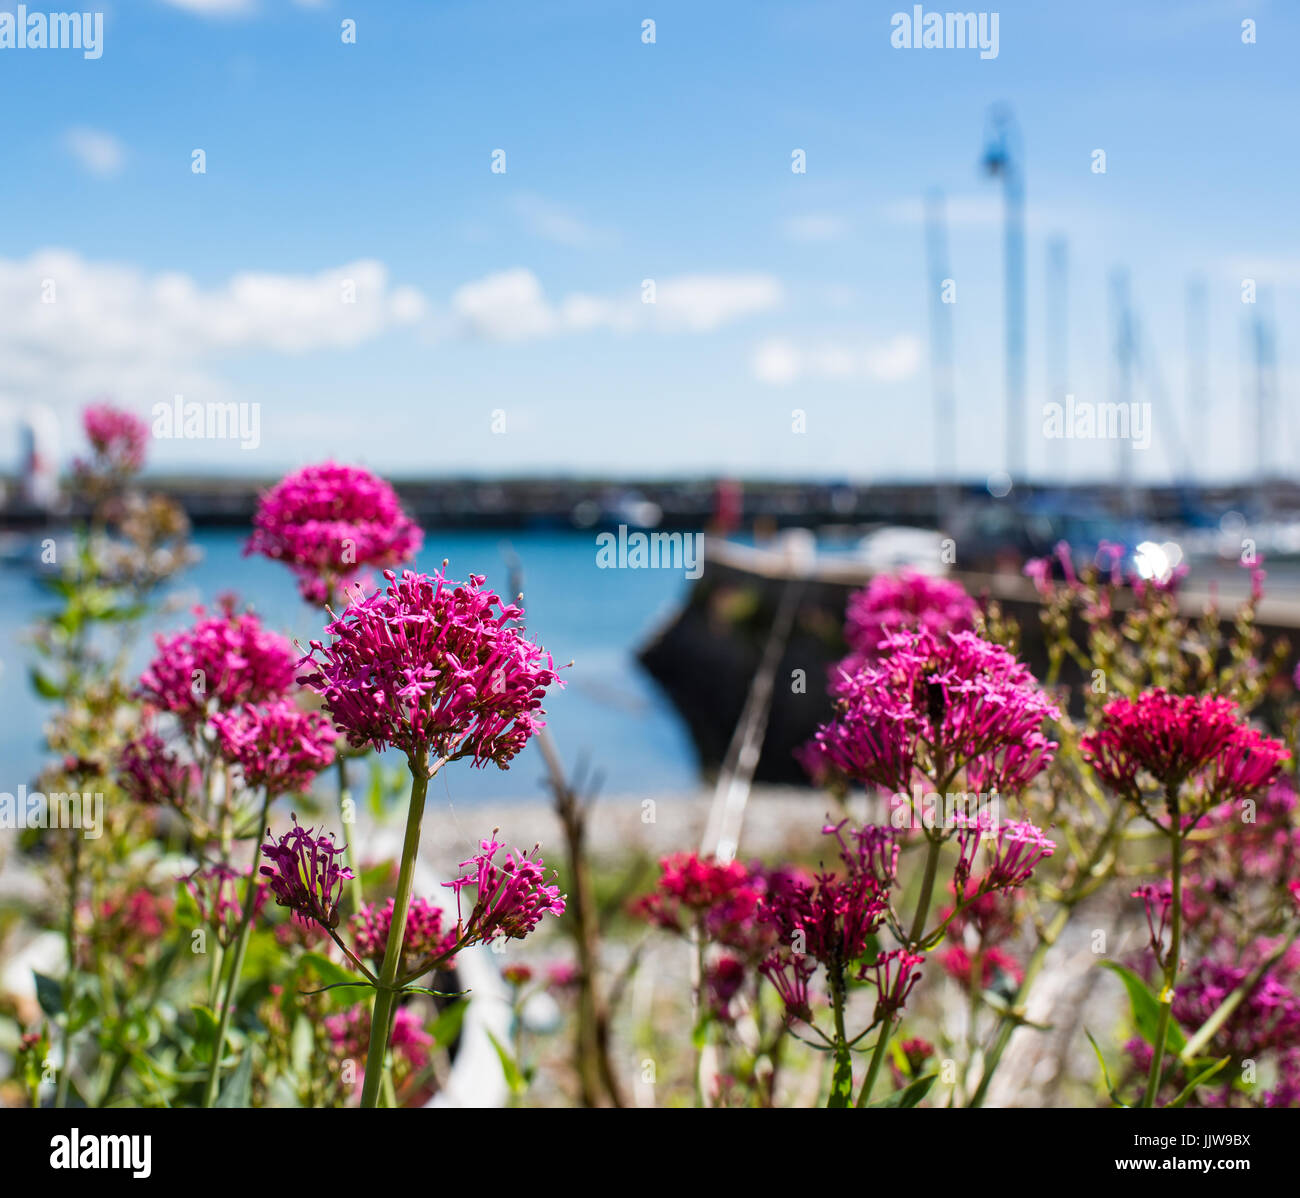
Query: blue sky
x,y
483,294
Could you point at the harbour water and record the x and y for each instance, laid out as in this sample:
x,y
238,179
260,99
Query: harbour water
x,y
609,709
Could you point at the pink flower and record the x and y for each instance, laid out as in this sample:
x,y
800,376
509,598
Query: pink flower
x,y
1157,901
151,773
276,745
349,1034
425,939
690,884
218,892
723,980
517,975
328,522
304,875
1181,738
1017,848
830,920
790,974
511,898
931,703
957,963
218,663
893,974
117,437
562,974
904,602
433,663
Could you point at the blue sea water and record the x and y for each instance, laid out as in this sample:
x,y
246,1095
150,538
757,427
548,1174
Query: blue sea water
x,y
609,709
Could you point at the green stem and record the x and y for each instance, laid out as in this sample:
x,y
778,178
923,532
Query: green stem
x,y
927,892
237,962
877,1059
70,948
386,993
1175,949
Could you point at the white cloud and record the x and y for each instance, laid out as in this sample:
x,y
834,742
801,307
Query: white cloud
x,y
512,306
816,226
70,329
100,154
779,361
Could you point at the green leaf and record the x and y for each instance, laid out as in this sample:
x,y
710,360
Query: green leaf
x,y
1202,1077
238,1090
509,1066
1105,1073
49,994
909,1095
330,971
205,1029
44,686
1146,1009
841,1079
446,1027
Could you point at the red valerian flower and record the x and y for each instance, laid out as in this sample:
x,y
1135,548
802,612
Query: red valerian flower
x,y
118,438
217,664
893,974
304,875
1176,739
349,1034
511,898
957,962
1016,847
433,663
723,978
425,940
152,773
928,702
903,602
328,522
218,892
276,745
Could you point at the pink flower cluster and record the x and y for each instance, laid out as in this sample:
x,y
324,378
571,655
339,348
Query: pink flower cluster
x,y
1016,848
218,892
349,1034
904,602
932,705
510,898
304,874
832,921
276,745
327,522
151,773
223,660
1181,738
433,663
425,940
117,437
